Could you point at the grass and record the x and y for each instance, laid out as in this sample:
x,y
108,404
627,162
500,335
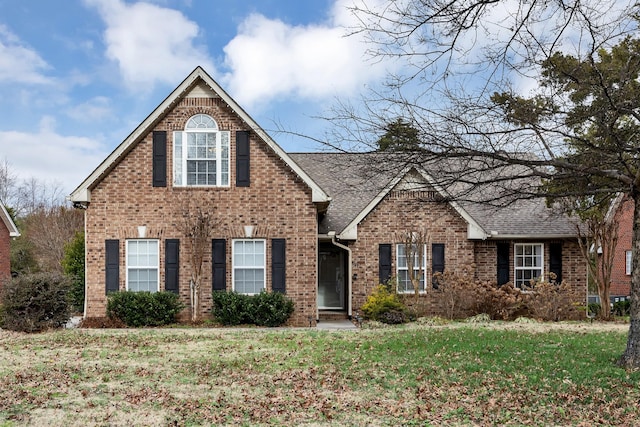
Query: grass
x,y
458,374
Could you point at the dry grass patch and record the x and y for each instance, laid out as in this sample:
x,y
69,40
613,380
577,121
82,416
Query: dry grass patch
x,y
480,374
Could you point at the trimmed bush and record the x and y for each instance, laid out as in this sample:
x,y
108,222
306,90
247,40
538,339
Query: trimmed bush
x,y
137,309
264,309
384,305
393,317
270,309
231,308
35,302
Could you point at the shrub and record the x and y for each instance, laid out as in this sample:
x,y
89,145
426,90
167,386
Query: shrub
x,y
621,308
393,317
270,309
383,300
231,308
455,294
138,309
35,302
73,267
554,302
464,297
498,302
264,309
594,309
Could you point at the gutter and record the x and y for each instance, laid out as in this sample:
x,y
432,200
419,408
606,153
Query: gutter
x,y
495,236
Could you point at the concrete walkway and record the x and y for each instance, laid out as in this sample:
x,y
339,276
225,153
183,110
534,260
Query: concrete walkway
x,y
335,325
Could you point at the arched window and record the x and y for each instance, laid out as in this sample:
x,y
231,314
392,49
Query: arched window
x,y
201,154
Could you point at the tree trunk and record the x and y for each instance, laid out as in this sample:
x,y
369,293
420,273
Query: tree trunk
x,y
631,356
195,300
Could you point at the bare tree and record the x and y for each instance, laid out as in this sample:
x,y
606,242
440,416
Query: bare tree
x,y
197,226
26,196
8,181
511,100
48,230
414,243
598,238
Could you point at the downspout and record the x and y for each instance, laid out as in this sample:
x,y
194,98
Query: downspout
x,y
332,234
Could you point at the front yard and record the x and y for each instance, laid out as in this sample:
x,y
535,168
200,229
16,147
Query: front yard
x,y
476,374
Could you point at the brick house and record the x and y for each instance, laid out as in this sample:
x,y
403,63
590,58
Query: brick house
x,y
622,210
7,230
307,224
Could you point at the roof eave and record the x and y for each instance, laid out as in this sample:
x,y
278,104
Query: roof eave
x,y
497,236
8,222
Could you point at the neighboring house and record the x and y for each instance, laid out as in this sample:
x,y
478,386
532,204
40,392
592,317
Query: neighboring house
x,y
7,230
621,270
314,226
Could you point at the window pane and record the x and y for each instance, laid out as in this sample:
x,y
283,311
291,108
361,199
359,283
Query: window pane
x,y
404,284
528,264
142,265
248,263
201,121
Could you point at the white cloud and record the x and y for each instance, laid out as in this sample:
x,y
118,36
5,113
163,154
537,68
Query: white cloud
x,y
150,43
269,58
51,157
19,63
97,108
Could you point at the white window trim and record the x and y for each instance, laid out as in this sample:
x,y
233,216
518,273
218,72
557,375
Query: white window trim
x,y
515,262
416,268
157,266
233,263
219,161
628,262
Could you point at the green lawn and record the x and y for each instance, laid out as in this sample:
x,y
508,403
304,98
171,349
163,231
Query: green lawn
x,y
458,374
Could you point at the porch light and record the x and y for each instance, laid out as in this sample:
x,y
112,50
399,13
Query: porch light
x,y
248,231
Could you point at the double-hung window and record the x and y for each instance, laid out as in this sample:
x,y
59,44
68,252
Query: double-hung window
x,y
249,266
528,263
142,265
402,267
201,154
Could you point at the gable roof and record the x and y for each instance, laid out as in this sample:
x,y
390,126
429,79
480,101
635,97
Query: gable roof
x,y
356,187
82,194
8,222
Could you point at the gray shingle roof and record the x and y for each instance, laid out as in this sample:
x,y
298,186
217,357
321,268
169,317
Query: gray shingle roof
x,y
353,180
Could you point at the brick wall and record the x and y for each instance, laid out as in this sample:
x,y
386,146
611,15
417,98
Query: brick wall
x,y
574,270
400,214
444,225
620,281
277,203
5,257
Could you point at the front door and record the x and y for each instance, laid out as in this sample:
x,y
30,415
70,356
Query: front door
x,y
331,277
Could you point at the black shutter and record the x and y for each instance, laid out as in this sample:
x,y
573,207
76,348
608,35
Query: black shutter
x,y
219,262
555,260
159,158
242,159
278,265
112,265
437,262
503,263
171,265
384,251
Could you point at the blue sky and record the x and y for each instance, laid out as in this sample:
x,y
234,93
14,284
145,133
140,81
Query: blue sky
x,y
77,76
